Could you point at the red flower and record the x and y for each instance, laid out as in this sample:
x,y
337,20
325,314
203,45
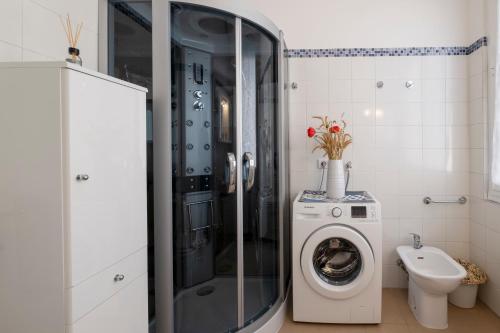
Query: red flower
x,y
311,132
335,129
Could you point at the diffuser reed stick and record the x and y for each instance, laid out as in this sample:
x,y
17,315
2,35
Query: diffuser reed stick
x,y
73,39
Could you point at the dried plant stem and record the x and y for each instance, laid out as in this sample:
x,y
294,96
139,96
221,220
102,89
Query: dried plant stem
x,y
331,138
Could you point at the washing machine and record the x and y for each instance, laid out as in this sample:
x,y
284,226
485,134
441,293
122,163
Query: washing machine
x,y
337,259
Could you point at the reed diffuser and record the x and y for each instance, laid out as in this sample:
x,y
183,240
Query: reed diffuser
x,y
73,39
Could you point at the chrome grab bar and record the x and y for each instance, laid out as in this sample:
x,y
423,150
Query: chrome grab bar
x,y
193,231
462,200
188,205
249,165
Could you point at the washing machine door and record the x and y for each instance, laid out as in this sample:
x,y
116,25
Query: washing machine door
x,y
337,261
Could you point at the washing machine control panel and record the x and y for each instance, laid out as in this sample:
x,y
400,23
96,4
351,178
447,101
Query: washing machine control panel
x,y
355,212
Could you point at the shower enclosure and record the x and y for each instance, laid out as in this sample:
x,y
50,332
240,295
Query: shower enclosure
x,y
219,233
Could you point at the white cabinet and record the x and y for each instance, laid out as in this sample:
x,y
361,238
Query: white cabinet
x,y
72,201
106,141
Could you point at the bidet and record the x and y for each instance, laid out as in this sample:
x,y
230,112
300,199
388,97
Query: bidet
x,y
432,275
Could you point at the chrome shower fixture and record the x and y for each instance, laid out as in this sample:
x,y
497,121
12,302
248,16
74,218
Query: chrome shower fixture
x,y
348,167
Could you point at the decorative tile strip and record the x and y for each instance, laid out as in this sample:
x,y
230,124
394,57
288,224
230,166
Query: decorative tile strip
x,y
387,52
483,41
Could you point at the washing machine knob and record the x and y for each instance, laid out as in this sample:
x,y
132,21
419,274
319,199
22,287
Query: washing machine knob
x,y
336,212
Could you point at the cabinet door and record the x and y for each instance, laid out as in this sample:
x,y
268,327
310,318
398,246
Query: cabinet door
x,y
105,137
125,312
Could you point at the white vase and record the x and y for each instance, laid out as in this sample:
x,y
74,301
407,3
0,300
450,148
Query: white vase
x,y
335,181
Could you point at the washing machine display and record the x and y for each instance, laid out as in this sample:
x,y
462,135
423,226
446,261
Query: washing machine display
x,y
337,261
358,212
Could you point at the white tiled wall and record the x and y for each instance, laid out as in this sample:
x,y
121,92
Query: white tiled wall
x,y
485,215
408,143
30,30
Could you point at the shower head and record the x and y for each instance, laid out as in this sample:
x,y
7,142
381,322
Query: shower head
x,y
214,25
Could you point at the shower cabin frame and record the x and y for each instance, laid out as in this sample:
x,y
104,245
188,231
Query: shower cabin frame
x,y
162,161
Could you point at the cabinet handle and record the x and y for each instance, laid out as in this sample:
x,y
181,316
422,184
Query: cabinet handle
x,y
82,177
119,277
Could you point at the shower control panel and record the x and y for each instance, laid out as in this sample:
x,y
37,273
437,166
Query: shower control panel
x,y
196,125
198,73
193,184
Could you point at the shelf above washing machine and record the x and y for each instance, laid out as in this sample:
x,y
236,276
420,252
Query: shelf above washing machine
x,y
350,197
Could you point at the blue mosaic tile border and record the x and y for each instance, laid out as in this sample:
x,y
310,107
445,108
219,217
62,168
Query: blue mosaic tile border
x,y
387,52
483,41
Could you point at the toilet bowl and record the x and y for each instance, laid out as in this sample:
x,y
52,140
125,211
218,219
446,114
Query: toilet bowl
x,y
432,275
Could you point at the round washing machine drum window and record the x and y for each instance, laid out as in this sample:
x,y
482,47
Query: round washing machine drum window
x,y
337,261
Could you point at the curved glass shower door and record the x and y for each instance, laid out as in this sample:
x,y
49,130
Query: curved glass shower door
x,y
210,295
204,170
260,171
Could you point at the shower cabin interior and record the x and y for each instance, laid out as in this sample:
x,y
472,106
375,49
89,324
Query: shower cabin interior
x,y
229,228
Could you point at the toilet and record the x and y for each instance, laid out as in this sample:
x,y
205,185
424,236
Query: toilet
x,y
432,275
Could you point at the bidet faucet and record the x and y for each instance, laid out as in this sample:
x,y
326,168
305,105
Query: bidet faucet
x,y
417,244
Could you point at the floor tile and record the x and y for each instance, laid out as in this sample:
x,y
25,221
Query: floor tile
x,y
388,328
398,318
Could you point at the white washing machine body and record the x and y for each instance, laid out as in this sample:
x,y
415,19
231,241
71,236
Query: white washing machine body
x,y
337,261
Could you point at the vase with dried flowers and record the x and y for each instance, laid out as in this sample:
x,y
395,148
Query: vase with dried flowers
x,y
332,139
73,39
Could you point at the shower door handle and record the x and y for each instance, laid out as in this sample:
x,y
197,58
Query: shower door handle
x,y
249,165
231,172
